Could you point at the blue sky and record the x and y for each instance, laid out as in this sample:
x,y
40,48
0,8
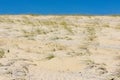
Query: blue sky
x,y
60,7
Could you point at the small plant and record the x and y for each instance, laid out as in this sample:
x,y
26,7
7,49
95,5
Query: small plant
x,y
33,32
65,26
91,33
47,22
28,33
39,31
50,56
1,53
55,38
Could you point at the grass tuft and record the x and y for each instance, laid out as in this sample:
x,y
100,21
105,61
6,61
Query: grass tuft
x,y
65,26
50,56
2,52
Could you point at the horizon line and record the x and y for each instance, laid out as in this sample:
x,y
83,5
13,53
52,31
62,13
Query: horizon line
x,y
34,14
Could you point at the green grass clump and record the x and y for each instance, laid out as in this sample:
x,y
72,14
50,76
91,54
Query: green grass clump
x,y
50,56
2,52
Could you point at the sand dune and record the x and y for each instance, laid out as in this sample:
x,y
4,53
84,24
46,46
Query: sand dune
x,y
40,47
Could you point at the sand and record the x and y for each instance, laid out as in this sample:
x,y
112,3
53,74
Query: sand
x,y
36,47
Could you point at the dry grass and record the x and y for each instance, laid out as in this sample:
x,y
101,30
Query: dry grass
x,y
66,26
2,52
91,33
50,56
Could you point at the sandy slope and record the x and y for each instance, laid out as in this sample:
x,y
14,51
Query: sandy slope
x,y
59,47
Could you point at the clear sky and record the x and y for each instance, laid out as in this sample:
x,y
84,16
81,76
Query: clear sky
x,y
60,7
